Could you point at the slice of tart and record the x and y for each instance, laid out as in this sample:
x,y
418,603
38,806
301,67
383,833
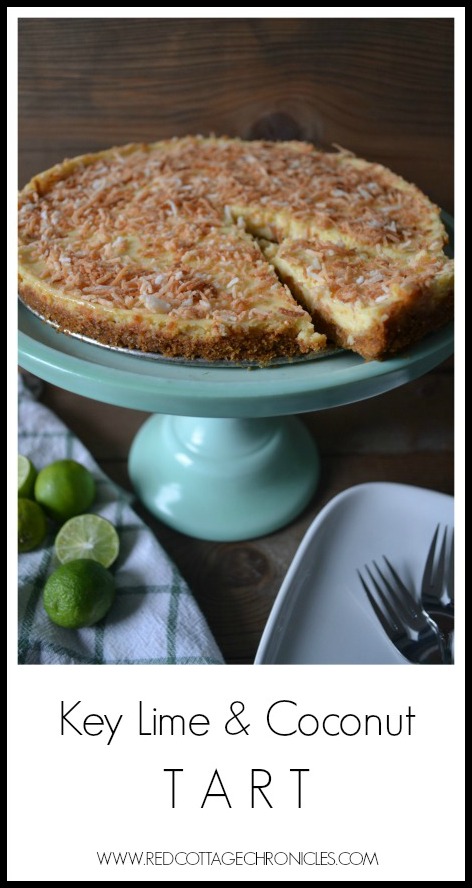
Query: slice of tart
x,y
365,300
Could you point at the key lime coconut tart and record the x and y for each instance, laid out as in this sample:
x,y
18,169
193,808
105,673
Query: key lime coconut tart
x,y
219,248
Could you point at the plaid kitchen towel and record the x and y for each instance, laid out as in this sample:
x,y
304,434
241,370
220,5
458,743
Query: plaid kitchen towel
x,y
154,617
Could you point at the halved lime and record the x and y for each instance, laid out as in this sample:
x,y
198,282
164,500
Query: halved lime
x,y
26,476
87,536
32,526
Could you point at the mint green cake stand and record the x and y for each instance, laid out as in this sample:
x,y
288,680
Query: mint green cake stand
x,y
222,458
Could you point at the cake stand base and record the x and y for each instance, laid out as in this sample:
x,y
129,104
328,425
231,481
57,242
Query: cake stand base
x,y
224,479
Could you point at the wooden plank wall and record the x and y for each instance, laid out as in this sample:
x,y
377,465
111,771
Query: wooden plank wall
x,y
381,87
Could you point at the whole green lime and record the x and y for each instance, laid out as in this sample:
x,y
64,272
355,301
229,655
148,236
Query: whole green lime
x,y
31,524
64,488
78,594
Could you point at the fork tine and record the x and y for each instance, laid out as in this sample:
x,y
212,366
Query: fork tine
x,y
388,607
387,624
440,568
427,581
375,607
450,570
402,610
398,580
394,615
407,602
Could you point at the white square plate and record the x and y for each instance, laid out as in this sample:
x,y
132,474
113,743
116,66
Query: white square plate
x,y
321,613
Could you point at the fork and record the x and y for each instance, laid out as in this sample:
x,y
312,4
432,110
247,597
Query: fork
x,y
408,625
437,585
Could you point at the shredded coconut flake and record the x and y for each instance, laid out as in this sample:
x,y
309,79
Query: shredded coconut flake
x,y
155,303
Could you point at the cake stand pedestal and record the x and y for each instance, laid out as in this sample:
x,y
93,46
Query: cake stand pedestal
x,y
223,458
224,479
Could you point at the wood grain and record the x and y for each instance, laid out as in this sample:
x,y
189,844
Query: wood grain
x,y
381,87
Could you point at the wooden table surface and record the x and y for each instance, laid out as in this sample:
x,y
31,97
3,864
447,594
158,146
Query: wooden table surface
x,y
381,87
403,436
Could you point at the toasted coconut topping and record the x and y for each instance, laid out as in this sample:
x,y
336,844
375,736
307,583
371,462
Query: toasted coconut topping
x,y
170,229
357,276
105,228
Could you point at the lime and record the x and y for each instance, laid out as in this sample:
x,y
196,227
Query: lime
x,y
64,488
31,525
26,476
78,594
87,536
